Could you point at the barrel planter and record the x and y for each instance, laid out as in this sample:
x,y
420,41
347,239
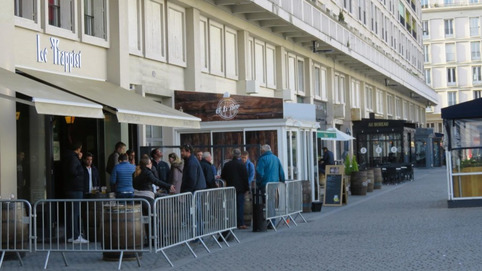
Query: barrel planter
x,y
15,234
306,186
122,229
377,173
370,180
358,184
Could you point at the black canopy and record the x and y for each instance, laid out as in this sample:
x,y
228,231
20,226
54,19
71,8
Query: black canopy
x,y
470,109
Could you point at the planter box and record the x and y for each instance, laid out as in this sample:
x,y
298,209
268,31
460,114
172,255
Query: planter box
x,y
471,186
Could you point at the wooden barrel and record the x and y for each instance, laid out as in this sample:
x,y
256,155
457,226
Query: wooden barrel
x,y
92,216
122,229
377,172
370,180
306,186
358,183
15,233
248,208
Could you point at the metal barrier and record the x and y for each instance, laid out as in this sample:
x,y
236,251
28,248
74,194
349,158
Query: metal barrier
x,y
16,228
214,214
111,226
283,200
173,222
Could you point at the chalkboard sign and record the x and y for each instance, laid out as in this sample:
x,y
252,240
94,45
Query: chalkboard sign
x,y
334,186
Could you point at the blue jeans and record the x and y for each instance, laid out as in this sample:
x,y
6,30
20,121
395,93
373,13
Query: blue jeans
x,y
240,209
73,214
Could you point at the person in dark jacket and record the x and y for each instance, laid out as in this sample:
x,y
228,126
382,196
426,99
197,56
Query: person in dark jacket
x,y
91,174
328,159
208,170
193,176
236,175
73,174
161,167
143,181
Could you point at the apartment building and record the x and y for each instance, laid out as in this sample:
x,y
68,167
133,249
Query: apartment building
x,y
451,44
255,71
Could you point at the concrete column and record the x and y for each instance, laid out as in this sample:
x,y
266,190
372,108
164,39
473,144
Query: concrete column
x,y
193,68
309,88
281,72
8,139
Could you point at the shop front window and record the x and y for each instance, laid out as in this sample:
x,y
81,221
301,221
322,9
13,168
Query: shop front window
x,y
292,141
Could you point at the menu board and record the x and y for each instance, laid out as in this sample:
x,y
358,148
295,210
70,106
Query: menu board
x,y
334,186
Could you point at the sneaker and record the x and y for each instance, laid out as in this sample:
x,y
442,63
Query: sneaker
x,y
80,240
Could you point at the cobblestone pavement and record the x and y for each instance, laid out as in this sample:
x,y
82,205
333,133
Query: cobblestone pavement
x,y
400,227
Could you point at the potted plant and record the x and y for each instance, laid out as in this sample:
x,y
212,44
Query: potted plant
x,y
358,183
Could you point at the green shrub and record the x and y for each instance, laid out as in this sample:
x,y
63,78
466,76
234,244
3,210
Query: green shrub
x,y
354,164
348,166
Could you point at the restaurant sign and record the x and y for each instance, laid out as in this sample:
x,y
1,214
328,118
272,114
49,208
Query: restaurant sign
x,y
67,59
222,107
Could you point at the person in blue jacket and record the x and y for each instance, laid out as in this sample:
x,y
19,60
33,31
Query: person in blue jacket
x,y
268,168
121,178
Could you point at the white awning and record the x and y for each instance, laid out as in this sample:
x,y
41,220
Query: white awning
x,y
48,100
128,106
334,134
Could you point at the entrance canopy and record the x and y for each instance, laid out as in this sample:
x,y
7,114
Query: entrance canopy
x,y
127,105
334,134
48,100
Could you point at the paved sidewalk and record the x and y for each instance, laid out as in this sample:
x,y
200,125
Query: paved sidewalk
x,y
400,227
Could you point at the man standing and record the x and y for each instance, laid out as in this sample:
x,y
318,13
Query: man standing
x,y
162,167
113,159
73,174
193,176
199,155
91,174
208,170
268,169
235,174
121,178
249,167
328,159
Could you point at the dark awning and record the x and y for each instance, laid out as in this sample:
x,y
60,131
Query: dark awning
x,y
467,110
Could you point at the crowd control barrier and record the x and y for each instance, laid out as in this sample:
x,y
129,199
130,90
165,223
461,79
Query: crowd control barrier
x,y
284,201
115,227
16,228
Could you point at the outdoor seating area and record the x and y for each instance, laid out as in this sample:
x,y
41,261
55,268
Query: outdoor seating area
x,y
397,173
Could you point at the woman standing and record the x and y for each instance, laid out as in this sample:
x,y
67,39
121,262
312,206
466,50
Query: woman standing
x,y
175,175
144,179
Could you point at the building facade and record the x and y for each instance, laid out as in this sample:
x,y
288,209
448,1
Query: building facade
x,y
342,59
452,44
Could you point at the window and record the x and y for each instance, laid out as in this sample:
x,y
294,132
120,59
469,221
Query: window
x,y
379,102
369,99
477,94
405,110
449,29
451,98
61,13
425,29
94,18
424,3
398,108
426,53
231,52
428,77
26,9
155,32
475,50
319,82
216,48
204,44
448,2
451,79
390,105
450,52
134,26
474,26
270,66
339,90
301,76
476,75
291,72
176,38
355,94
154,135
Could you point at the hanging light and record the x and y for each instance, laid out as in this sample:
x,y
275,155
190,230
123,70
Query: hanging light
x,y
69,119
17,115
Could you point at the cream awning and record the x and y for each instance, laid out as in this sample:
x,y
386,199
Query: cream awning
x,y
46,99
128,106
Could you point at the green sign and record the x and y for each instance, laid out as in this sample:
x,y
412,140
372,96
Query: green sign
x,y
325,134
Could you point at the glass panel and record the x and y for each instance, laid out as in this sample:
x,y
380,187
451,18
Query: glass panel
x,y
466,133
